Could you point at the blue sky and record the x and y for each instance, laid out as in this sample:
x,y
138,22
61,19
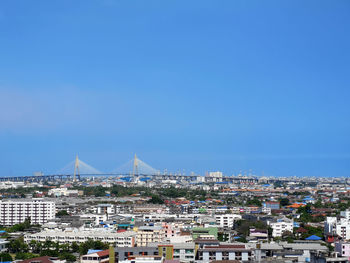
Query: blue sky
x,y
260,86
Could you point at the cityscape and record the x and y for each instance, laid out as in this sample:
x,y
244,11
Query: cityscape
x,y
149,216
174,131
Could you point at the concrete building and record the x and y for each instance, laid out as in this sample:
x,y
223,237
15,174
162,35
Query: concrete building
x,y
227,220
214,177
122,239
340,227
58,192
289,252
124,253
96,257
150,234
343,229
258,234
205,232
11,185
281,226
106,209
44,259
239,253
343,248
184,252
143,259
272,205
17,211
3,245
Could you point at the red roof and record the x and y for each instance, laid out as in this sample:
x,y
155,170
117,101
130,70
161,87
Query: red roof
x,y
301,230
103,253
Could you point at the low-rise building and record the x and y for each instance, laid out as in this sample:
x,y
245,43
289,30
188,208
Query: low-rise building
x,y
96,257
58,192
281,226
150,234
122,239
239,253
227,220
343,248
258,234
3,245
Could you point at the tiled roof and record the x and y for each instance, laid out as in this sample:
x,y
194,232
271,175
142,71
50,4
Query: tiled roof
x,y
103,253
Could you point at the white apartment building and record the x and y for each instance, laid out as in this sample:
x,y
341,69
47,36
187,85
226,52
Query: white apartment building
x,y
143,259
150,234
16,211
106,209
11,185
227,220
185,252
57,192
214,177
3,245
281,226
122,239
266,210
330,226
340,227
343,229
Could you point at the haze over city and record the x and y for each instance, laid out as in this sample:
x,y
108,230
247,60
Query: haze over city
x,y
258,86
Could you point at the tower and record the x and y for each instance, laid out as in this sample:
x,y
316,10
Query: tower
x,y
76,169
135,168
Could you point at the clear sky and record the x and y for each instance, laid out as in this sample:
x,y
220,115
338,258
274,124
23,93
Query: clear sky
x,y
187,85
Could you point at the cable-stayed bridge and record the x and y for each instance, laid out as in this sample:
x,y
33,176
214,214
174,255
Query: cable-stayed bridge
x,y
134,169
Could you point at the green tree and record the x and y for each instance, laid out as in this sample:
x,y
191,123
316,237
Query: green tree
x,y
284,202
255,202
23,255
18,245
62,213
65,248
90,244
67,256
156,200
288,236
49,252
35,246
305,213
75,247
318,204
5,257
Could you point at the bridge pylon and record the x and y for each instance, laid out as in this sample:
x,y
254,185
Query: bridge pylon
x,y
135,168
76,169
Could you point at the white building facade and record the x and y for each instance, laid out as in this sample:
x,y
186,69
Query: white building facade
x,y
340,227
278,228
227,220
122,239
16,211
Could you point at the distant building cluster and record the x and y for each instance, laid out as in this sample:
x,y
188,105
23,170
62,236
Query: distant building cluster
x,y
172,219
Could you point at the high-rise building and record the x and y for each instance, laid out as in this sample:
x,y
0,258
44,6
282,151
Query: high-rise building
x,y
17,211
